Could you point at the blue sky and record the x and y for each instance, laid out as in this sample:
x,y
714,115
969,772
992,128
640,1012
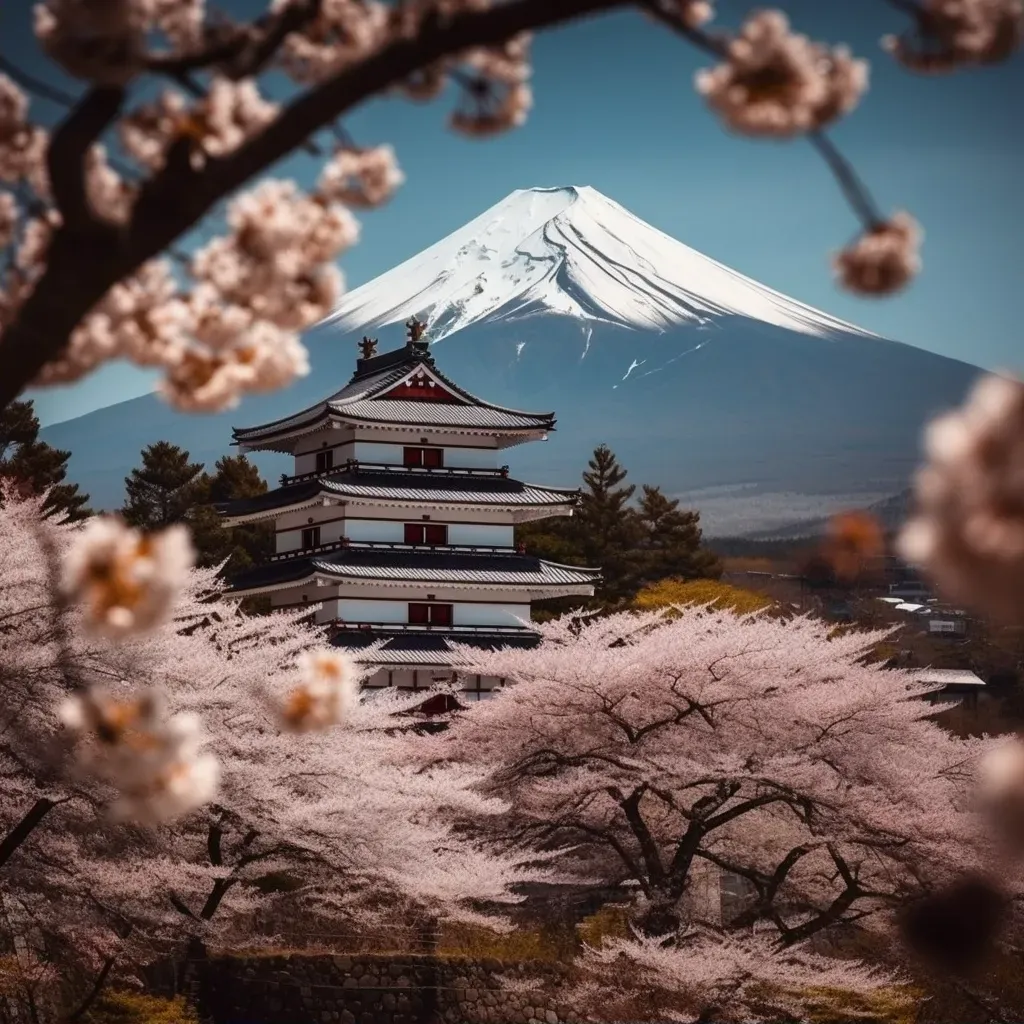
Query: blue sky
x,y
615,109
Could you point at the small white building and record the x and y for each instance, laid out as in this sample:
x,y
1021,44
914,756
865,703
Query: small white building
x,y
952,685
398,520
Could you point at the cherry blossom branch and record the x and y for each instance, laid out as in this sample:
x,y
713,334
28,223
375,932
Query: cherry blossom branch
x,y
248,50
66,155
178,196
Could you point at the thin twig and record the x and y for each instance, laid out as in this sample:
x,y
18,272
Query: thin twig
x,y
852,187
36,85
717,45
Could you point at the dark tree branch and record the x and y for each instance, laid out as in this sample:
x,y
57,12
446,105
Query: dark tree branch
x,y
66,156
25,827
97,987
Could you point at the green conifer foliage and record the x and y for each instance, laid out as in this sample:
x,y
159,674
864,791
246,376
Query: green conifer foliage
x,y
35,466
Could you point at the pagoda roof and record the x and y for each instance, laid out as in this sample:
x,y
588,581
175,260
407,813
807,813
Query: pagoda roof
x,y
434,648
402,487
364,399
390,567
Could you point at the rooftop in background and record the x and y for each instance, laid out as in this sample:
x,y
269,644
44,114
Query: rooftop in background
x,y
948,677
400,388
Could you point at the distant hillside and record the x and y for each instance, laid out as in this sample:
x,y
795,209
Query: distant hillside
x,y
891,513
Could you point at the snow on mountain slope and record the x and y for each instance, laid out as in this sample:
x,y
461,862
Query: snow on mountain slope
x,y
572,252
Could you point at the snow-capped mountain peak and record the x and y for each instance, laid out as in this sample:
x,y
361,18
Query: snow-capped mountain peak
x,y
568,251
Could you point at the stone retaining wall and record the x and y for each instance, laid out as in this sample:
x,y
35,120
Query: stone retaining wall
x,y
368,989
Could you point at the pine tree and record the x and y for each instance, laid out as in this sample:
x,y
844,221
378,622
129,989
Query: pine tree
x,y
235,477
606,527
163,490
36,466
671,540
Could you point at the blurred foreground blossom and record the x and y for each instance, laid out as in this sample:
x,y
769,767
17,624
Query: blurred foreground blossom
x,y
853,542
883,259
126,582
969,530
327,693
153,760
956,33
776,83
497,97
955,927
1002,790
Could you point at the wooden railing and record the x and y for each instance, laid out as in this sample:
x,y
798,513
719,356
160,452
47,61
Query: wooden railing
x,y
409,627
371,545
353,465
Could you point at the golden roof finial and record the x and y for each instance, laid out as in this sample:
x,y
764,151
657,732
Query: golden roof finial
x,y
369,347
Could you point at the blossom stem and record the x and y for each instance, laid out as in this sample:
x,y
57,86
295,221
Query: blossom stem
x,y
36,85
717,45
853,189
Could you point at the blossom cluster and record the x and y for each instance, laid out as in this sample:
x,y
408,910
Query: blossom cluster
x,y
125,581
231,326
105,41
885,258
968,533
498,95
326,693
949,34
779,84
154,760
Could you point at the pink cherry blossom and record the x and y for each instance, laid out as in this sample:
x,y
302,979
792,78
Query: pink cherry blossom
x,y
884,259
682,750
123,580
775,83
361,177
342,32
957,33
968,533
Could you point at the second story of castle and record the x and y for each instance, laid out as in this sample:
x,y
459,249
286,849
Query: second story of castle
x,y
399,466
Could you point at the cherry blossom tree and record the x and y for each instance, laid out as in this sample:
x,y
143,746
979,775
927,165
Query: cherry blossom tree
x,y
666,753
164,755
123,179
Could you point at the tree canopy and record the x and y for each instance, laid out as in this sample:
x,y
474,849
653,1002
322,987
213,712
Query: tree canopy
x,y
632,542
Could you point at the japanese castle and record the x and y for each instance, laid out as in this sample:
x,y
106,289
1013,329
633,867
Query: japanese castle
x,y
398,521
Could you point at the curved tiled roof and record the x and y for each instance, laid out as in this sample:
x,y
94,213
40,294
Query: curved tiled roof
x,y
431,566
361,399
398,486
434,648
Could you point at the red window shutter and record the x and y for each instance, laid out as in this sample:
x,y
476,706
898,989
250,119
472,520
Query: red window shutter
x,y
440,614
436,533
433,457
419,614
412,456
413,533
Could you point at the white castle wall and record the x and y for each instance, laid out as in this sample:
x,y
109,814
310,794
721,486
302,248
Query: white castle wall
x,y
491,613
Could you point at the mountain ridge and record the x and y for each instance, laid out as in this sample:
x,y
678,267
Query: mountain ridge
x,y
695,375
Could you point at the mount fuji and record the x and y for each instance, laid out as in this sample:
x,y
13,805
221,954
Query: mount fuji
x,y
756,408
